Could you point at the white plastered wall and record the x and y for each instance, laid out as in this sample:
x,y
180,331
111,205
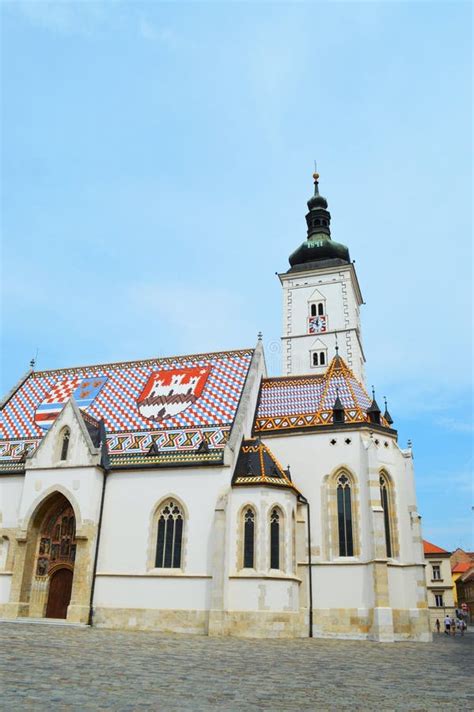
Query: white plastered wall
x,y
341,582
126,576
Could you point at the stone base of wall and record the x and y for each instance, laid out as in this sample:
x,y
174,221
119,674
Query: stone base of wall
x,y
412,624
162,621
258,624
380,624
14,610
346,623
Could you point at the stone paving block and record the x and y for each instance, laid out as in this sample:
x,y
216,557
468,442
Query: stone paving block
x,y
60,668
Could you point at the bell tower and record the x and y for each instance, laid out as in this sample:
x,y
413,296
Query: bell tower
x,y
321,300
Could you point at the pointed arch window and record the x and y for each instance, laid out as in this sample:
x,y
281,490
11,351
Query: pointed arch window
x,y
385,502
170,536
275,536
64,444
344,516
249,539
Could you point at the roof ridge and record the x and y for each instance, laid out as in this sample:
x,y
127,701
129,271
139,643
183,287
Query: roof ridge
x,y
303,377
165,359
327,378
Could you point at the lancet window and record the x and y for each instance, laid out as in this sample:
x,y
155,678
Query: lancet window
x,y
387,514
64,443
275,538
344,516
170,536
249,539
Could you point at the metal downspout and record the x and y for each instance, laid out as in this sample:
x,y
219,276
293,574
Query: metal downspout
x,y
106,468
96,558
303,500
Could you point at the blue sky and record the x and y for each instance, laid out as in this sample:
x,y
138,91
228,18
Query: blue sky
x,y
156,162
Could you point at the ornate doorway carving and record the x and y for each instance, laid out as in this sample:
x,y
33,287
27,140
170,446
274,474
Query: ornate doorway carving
x,y
55,556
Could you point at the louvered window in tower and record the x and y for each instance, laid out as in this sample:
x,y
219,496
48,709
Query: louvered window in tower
x,y
249,538
170,537
344,516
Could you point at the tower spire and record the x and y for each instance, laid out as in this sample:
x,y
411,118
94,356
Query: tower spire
x,y
318,219
319,245
387,415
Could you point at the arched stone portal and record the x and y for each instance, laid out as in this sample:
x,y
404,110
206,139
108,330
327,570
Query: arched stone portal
x,y
55,554
53,569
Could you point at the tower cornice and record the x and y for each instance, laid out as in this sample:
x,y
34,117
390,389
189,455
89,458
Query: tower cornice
x,y
304,273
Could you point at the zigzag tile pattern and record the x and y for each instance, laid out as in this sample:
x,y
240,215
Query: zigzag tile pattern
x,y
295,402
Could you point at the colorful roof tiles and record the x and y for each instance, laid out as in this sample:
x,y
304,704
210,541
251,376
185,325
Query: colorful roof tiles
x,y
257,465
175,404
295,402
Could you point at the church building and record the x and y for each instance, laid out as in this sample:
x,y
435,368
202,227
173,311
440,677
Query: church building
x,y
196,494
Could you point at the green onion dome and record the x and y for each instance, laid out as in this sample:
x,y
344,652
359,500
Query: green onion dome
x,y
318,245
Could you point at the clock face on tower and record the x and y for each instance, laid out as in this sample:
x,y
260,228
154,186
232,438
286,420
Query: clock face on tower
x,y
317,324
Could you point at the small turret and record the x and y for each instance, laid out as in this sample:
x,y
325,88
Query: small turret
x,y
387,415
373,411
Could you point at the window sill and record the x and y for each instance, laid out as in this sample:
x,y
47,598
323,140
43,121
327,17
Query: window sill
x,y
154,573
273,575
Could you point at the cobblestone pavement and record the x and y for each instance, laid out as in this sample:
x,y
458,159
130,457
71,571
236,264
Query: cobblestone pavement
x,y
63,668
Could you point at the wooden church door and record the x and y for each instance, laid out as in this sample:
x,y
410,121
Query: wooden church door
x,y
59,596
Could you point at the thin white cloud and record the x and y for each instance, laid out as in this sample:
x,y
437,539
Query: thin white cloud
x,y
64,17
151,32
456,426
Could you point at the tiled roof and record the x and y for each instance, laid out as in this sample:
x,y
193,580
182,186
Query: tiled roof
x,y
257,465
430,548
170,410
295,402
462,567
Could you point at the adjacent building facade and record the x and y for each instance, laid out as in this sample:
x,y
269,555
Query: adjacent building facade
x,y
439,583
197,494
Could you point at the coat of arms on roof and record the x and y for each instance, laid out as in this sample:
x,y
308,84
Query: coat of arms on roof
x,y
169,392
84,391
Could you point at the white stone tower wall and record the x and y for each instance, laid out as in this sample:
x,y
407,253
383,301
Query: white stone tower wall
x,y
337,288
